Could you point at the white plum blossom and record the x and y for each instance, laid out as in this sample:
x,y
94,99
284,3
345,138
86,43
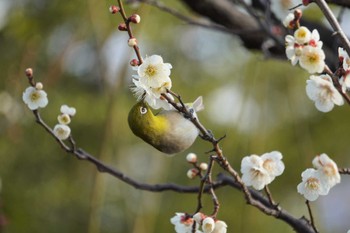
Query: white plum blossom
x,y
208,225
302,35
312,185
253,172
293,49
153,95
305,47
220,227
259,171
65,109
315,40
153,72
273,164
61,131
320,89
35,98
328,169
64,119
152,81
312,59
183,223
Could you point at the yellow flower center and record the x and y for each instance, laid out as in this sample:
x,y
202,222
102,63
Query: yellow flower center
x,y
34,96
312,183
268,165
151,70
313,57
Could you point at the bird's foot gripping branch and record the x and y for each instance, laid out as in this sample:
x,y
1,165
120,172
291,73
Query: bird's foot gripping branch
x,y
176,126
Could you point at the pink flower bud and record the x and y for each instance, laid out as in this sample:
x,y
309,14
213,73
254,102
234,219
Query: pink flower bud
x,y
306,2
134,62
135,18
297,14
114,9
122,27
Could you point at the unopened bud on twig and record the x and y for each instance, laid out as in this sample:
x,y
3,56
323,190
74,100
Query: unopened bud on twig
x,y
132,42
135,18
29,72
203,166
134,62
122,27
192,173
39,86
191,158
306,2
114,9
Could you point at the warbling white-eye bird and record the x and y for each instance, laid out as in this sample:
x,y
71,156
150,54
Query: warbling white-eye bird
x,y
168,131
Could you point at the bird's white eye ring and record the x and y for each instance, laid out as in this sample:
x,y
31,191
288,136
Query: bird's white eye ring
x,y
143,110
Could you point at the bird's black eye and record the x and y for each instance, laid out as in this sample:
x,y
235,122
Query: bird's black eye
x,y
143,110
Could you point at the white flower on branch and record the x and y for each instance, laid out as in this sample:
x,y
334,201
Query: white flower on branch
x,y
321,90
328,169
208,225
293,49
258,171
64,119
183,223
273,164
35,98
302,35
153,95
61,131
220,227
153,72
312,59
312,185
152,81
65,109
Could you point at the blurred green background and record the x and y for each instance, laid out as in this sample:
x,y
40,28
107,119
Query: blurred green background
x,y
82,59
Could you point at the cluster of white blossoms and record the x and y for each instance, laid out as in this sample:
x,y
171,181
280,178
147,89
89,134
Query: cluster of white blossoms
x,y
35,97
184,224
153,80
305,47
319,180
259,171
62,130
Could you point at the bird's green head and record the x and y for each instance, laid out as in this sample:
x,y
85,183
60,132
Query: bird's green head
x,y
144,123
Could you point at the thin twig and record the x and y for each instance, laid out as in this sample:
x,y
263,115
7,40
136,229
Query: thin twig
x,y
311,215
129,30
269,196
334,23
